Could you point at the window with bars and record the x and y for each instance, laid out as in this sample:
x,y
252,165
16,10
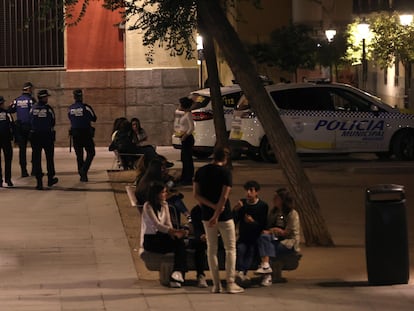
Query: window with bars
x,y
29,38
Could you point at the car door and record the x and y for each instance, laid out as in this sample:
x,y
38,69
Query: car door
x,y
303,111
359,124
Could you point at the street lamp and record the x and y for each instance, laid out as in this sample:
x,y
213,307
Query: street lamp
x,y
363,31
330,34
200,58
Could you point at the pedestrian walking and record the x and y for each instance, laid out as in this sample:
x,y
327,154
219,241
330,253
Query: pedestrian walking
x,y
82,132
211,188
21,106
42,136
6,136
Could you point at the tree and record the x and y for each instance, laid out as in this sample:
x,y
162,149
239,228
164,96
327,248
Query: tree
x,y
172,23
290,48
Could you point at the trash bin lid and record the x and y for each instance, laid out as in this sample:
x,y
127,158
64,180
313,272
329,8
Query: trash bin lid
x,y
385,192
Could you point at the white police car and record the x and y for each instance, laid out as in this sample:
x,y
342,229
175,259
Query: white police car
x,y
327,118
202,111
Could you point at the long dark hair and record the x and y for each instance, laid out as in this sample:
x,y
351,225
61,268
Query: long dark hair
x,y
154,191
287,200
152,173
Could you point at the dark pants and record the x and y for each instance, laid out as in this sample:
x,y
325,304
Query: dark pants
x,y
245,256
43,141
84,142
187,159
6,146
200,256
163,243
22,138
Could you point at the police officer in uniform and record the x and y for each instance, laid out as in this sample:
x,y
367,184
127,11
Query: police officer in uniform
x,y
81,115
21,106
42,121
6,136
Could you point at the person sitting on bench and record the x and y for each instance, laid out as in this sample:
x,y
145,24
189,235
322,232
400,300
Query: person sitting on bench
x,y
158,234
282,235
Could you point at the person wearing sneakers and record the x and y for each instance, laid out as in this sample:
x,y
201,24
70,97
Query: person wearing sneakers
x,y
158,234
251,215
21,106
81,115
282,235
42,136
6,136
211,188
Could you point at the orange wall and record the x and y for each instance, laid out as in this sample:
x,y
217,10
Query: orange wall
x,y
95,43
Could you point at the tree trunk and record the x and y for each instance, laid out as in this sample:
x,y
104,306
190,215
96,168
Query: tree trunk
x,y
313,225
214,84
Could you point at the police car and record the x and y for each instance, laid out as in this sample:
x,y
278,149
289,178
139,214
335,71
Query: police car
x,y
202,112
327,118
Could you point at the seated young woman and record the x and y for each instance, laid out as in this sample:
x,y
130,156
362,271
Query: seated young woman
x,y
158,234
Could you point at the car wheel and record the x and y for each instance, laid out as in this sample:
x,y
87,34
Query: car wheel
x,y
201,154
266,152
403,147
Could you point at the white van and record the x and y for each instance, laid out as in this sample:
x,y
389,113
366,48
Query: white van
x,y
202,111
327,118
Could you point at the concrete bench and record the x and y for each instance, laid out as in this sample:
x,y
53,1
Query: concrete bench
x,y
164,263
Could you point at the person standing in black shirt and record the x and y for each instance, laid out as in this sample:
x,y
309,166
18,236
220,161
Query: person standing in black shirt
x,y
21,106
6,136
81,115
42,121
211,188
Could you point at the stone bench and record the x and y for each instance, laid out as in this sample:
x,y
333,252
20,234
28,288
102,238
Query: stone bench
x,y
164,263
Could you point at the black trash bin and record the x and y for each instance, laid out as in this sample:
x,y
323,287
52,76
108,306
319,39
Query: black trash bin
x,y
386,241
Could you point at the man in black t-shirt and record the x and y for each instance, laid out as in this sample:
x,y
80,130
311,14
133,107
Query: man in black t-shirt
x,y
212,185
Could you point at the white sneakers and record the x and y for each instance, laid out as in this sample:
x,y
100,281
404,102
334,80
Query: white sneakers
x,y
176,279
201,281
233,288
263,269
177,276
267,280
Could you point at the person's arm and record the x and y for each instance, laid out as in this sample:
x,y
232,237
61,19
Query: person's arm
x,y
221,204
91,113
202,200
190,126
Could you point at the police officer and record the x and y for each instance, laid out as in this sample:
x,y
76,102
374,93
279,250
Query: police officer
x,y
81,115
6,136
21,106
42,121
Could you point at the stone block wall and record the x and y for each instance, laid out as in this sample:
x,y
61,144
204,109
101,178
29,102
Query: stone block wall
x,y
150,94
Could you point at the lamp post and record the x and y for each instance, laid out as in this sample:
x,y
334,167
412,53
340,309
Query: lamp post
x,y
363,30
200,58
330,34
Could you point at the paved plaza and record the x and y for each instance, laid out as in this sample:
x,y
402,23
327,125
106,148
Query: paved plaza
x,y
65,249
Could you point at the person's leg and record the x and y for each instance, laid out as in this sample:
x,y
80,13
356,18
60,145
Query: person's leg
x,y
212,236
228,234
200,258
8,157
77,146
240,257
187,160
50,162
90,154
37,161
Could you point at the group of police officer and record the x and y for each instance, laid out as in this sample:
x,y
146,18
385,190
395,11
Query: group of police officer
x,y
35,122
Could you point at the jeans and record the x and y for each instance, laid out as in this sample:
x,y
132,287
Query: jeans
x,y
268,246
228,234
245,256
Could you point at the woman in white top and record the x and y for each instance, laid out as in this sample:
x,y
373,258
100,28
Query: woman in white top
x,y
159,236
187,141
